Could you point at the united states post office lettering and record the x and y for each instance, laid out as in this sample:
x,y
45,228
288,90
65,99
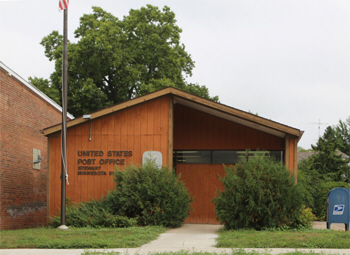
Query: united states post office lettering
x,y
99,160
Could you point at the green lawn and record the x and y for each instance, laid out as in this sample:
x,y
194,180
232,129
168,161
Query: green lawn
x,y
79,238
308,238
234,252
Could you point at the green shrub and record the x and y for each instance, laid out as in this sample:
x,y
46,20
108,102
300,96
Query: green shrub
x,y
153,196
94,213
316,187
258,192
320,200
306,217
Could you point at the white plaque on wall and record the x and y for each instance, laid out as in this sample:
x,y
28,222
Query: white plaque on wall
x,y
36,159
155,156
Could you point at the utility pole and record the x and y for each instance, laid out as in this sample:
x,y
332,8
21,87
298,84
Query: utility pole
x,y
319,126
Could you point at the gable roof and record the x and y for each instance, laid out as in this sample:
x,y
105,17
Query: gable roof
x,y
32,88
198,103
305,155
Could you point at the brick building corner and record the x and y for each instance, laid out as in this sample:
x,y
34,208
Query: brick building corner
x,y
24,112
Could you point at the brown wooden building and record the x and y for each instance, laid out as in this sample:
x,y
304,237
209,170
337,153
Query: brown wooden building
x,y
194,135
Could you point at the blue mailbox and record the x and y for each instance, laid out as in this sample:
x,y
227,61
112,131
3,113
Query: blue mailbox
x,y
338,202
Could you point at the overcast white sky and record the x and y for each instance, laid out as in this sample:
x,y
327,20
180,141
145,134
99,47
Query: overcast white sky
x,y
288,61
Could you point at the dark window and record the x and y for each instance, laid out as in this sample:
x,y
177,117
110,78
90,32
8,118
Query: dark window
x,y
193,157
219,156
225,157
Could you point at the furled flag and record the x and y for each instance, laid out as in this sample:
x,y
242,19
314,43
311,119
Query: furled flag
x,y
63,4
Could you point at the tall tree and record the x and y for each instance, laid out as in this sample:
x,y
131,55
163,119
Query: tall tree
x,y
326,169
343,133
116,60
327,161
45,86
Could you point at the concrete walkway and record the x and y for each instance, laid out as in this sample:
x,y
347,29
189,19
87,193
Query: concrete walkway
x,y
190,237
323,225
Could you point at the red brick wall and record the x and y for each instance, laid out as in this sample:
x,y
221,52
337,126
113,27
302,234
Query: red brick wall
x,y
23,190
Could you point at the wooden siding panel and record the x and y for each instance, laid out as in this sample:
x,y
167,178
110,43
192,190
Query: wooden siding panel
x,y
127,130
260,140
137,121
131,122
88,185
164,115
130,146
117,122
165,149
205,193
150,118
71,162
136,154
201,131
202,181
123,123
210,131
78,146
144,146
85,133
156,143
94,183
54,185
214,188
143,120
254,139
241,138
185,176
156,117
231,137
291,154
199,193
192,188
106,182
98,128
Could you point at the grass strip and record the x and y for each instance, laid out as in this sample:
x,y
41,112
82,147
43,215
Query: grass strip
x,y
234,252
308,238
79,238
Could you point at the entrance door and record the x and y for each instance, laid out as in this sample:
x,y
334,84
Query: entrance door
x,y
202,182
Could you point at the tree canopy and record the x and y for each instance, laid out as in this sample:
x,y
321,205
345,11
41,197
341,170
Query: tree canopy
x,y
342,131
327,160
116,60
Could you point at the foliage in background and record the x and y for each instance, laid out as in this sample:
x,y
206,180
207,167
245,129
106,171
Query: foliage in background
x,y
309,181
320,205
301,149
343,134
330,165
152,196
306,217
93,213
258,192
316,189
116,60
326,169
